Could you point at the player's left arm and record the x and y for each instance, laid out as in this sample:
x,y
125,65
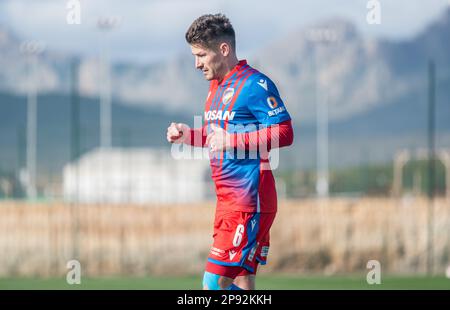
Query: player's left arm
x,y
275,130
268,108
273,136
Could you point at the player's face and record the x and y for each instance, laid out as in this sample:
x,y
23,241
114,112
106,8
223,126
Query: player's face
x,y
209,61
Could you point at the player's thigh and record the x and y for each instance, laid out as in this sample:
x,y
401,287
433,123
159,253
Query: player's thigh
x,y
212,281
246,282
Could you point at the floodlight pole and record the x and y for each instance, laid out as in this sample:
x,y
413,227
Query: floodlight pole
x,y
431,165
325,36
106,25
31,49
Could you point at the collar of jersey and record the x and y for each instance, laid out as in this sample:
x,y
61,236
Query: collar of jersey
x,y
238,67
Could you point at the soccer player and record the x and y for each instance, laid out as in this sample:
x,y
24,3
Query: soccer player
x,y
244,118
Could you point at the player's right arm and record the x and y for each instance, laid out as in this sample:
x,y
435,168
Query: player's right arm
x,y
182,133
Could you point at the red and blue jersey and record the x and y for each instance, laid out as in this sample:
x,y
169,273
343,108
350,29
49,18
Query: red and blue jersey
x,y
245,100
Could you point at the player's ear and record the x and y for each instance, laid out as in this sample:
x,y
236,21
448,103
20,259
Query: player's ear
x,y
224,48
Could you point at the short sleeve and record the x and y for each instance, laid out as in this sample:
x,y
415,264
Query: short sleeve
x,y
265,102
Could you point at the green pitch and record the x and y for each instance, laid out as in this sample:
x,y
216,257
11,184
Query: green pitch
x,y
263,282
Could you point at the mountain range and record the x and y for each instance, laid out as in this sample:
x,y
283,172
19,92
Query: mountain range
x,y
376,92
329,61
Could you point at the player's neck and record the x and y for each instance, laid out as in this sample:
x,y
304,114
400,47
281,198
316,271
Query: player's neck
x,y
229,66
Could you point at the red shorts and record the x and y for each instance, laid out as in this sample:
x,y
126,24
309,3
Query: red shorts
x,y
241,241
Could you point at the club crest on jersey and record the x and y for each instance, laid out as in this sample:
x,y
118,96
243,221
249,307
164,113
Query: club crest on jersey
x,y
227,95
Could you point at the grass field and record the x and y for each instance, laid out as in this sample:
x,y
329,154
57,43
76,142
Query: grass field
x,y
263,282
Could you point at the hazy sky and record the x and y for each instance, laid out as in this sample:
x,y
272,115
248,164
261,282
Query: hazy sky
x,y
152,30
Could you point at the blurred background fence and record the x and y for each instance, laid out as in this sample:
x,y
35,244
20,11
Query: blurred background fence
x,y
325,237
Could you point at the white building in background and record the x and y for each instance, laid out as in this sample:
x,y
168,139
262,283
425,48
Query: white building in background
x,y
115,175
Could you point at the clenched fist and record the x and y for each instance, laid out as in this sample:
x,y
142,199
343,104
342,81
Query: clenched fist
x,y
178,133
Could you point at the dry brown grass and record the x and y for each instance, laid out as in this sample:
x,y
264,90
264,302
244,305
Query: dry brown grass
x,y
337,236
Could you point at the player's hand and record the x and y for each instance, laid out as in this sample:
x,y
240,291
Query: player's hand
x,y
218,139
178,133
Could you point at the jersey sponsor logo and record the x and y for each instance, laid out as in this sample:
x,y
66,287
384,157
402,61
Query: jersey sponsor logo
x,y
276,111
219,115
272,102
227,95
232,254
263,83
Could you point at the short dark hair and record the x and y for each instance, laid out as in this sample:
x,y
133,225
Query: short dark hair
x,y
208,30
